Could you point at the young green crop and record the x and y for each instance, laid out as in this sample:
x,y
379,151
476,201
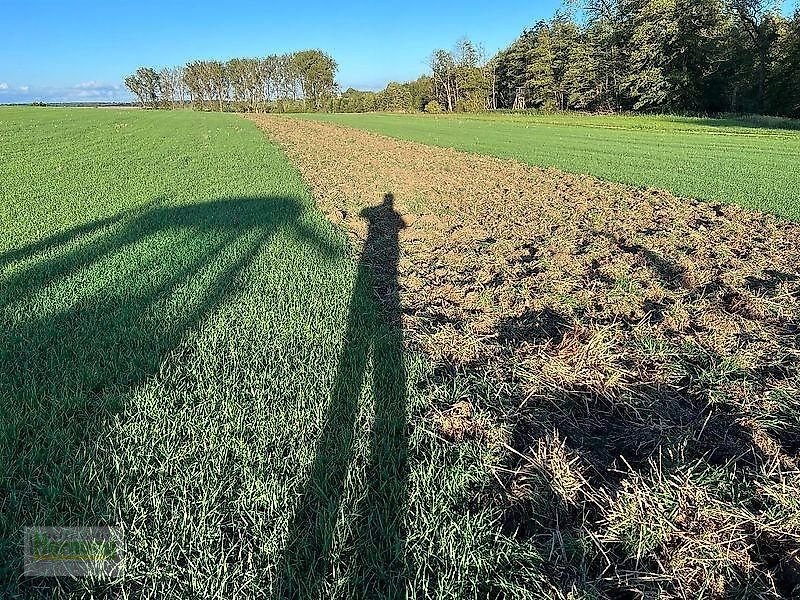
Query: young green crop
x,y
183,353
753,163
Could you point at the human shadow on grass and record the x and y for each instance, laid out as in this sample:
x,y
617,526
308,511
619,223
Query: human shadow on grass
x,y
65,370
373,333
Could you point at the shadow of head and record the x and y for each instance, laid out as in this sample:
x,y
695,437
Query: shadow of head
x,y
386,207
383,219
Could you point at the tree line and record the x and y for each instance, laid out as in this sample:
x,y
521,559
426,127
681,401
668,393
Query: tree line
x,y
709,56
459,80
288,82
688,56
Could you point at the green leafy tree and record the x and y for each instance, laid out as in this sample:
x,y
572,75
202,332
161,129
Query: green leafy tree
x,y
673,49
420,92
443,66
608,31
585,78
145,84
317,75
784,80
549,59
433,107
759,21
511,68
394,98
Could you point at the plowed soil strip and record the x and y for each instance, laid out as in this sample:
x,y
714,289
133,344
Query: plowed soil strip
x,y
629,320
491,243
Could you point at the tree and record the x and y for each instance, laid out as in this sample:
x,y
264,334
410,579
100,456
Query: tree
x,y
194,79
317,75
585,79
145,85
471,81
674,48
134,84
237,74
784,80
268,71
394,98
461,79
608,33
170,86
180,86
643,55
511,68
218,82
443,65
759,20
433,107
420,92
548,56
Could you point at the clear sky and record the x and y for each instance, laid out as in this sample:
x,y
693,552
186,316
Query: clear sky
x,y
71,50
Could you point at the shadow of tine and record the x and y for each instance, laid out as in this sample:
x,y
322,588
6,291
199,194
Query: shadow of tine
x,y
51,368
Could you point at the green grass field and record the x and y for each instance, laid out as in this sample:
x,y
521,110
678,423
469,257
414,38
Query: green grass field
x,y
188,350
191,351
753,163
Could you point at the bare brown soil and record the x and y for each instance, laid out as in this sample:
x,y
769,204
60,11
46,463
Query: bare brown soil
x,y
650,345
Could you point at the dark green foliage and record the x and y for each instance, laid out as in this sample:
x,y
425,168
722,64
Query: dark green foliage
x,y
656,55
784,83
535,70
672,50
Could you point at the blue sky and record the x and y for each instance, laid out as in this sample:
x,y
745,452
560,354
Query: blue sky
x,y
81,50
71,50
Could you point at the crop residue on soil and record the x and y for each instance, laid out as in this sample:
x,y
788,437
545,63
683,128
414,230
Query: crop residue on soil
x,y
650,345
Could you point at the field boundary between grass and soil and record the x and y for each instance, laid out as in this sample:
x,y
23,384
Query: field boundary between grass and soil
x,y
717,163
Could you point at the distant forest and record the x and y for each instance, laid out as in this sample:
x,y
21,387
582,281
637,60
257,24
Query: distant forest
x,y
684,56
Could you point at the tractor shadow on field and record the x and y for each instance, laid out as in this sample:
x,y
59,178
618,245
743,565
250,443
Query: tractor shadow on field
x,y
373,334
71,350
